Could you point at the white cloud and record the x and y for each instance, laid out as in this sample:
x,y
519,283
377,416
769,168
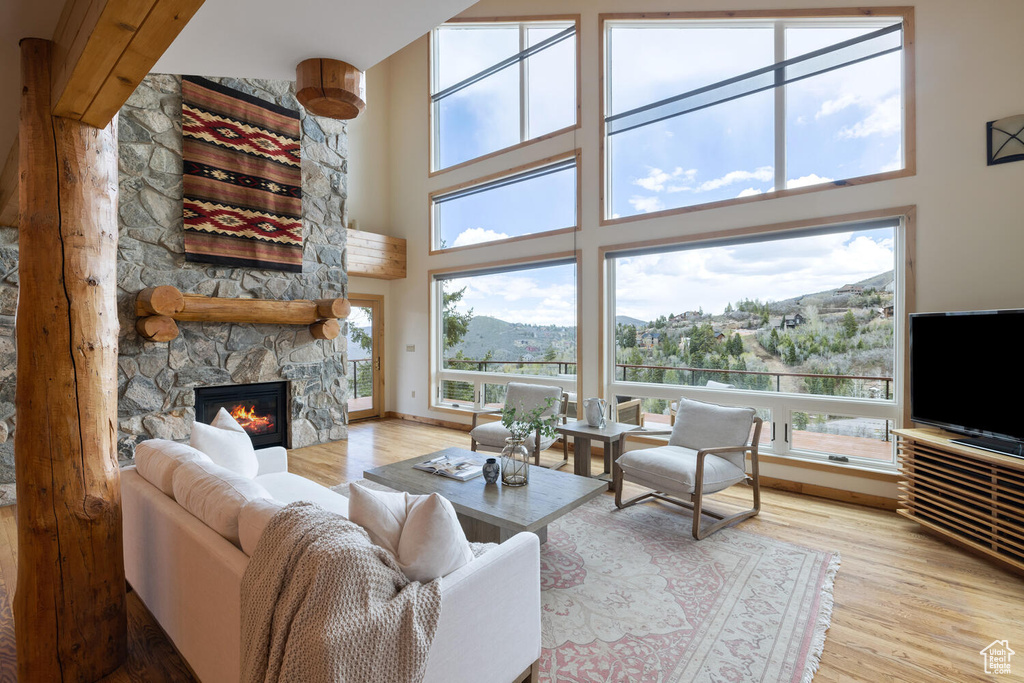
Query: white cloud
x,y
896,163
656,179
763,173
477,236
749,192
804,181
829,107
646,204
885,119
537,297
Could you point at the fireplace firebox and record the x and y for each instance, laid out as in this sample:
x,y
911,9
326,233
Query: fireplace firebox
x,y
261,409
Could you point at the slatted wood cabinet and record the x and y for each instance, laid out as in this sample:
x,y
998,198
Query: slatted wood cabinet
x,y
970,496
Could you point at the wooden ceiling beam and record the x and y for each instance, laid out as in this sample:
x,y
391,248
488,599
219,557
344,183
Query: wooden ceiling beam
x,y
102,49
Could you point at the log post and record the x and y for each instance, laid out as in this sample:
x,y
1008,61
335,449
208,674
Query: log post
x,y
69,607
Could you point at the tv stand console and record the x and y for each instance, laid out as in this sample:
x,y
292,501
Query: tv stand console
x,y
972,497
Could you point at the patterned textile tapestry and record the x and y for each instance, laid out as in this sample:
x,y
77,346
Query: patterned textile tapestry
x,y
242,179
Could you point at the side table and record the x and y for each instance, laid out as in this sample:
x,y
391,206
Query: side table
x,y
612,435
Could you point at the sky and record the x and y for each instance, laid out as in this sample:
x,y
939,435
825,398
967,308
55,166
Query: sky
x,y
841,124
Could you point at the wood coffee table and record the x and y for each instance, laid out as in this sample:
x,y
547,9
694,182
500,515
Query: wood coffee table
x,y
493,513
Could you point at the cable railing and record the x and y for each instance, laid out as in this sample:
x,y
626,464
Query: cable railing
x,y
357,382
686,375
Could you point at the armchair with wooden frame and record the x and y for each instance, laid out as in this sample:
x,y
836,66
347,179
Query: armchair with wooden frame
x,y
706,453
490,436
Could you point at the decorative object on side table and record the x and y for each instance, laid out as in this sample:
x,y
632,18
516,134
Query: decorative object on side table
x,y
491,471
594,409
515,457
1005,140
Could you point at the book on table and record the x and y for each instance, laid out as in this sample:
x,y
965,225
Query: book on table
x,y
462,469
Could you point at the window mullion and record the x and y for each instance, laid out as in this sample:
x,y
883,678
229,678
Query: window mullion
x,y
780,108
524,88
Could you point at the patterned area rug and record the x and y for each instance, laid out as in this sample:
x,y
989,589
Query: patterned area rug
x,y
628,595
242,179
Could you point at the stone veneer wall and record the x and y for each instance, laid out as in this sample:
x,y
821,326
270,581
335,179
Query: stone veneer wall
x,y
156,380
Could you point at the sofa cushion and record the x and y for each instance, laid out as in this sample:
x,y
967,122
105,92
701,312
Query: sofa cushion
x,y
157,459
253,519
422,532
285,488
673,469
228,446
215,495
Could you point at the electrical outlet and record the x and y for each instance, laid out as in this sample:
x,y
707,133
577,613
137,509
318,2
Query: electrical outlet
x,y
414,393
410,347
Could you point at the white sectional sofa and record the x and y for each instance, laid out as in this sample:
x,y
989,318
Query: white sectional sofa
x,y
189,577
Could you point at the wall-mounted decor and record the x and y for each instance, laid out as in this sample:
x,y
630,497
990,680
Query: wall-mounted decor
x,y
1006,140
242,179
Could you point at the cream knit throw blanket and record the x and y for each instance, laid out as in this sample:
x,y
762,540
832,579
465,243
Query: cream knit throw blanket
x,y
320,602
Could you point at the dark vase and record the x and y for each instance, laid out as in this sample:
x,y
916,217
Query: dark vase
x,y
491,471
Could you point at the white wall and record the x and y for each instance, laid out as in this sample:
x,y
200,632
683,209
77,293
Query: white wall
x,y
970,237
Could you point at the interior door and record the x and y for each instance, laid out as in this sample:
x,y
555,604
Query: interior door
x,y
365,357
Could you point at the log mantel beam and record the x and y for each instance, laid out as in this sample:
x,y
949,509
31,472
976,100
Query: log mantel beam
x,y
158,307
102,49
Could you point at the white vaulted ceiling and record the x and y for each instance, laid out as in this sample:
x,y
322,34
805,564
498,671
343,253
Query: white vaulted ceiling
x,y
243,38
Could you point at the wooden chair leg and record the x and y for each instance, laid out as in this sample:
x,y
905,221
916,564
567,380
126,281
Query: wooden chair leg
x,y
472,444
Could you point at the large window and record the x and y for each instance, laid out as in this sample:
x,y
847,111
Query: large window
x,y
497,84
801,325
702,111
500,324
539,199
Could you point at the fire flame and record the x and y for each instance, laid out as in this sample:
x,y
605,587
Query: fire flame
x,y
251,421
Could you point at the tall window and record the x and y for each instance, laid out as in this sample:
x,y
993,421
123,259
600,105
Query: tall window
x,y
700,111
802,326
496,325
536,200
497,84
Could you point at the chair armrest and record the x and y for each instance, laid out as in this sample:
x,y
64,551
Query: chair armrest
x,y
272,460
478,413
724,449
497,593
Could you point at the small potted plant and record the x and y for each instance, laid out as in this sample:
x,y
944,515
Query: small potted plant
x,y
515,457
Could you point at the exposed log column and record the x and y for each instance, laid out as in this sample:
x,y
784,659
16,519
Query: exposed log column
x,y
69,607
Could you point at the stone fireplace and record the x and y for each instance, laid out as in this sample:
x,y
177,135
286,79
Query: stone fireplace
x,y
157,382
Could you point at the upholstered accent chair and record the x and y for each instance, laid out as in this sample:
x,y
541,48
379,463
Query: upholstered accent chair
x,y
706,453
490,436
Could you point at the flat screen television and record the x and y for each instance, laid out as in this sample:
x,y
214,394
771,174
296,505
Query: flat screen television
x,y
966,377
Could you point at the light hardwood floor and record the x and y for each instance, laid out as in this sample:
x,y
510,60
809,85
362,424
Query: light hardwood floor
x,y
908,607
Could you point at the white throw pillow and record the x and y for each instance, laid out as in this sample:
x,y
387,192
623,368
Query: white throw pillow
x,y
422,532
223,420
215,495
227,447
253,519
157,459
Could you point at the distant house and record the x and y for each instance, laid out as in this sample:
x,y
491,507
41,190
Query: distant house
x,y
850,289
888,311
650,339
720,336
789,322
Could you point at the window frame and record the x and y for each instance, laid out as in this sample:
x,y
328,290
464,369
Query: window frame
x,y
825,17
435,367
432,229
433,121
781,405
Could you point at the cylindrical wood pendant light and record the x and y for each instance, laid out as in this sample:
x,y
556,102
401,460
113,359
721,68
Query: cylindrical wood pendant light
x,y
331,88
